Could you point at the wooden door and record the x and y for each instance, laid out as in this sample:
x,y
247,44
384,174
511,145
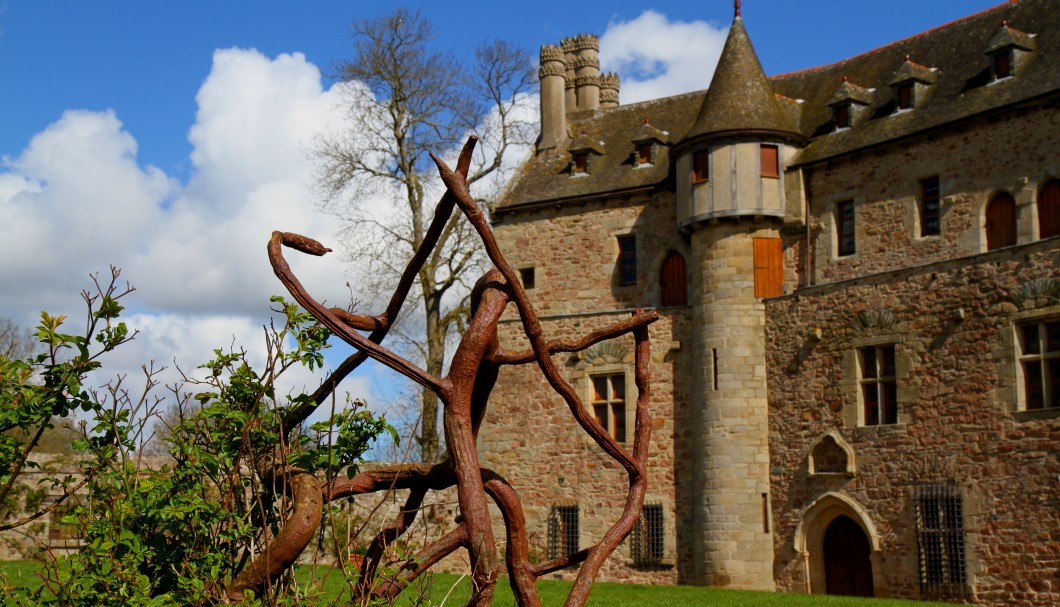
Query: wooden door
x,y
1001,222
847,567
673,280
1049,209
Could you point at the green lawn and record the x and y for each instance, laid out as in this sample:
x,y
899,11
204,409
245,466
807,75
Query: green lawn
x,y
451,590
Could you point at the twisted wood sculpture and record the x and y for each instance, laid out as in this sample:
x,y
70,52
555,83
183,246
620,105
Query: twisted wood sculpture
x,y
464,394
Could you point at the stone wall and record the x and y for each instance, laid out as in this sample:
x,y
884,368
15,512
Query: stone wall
x,y
1015,153
960,419
529,434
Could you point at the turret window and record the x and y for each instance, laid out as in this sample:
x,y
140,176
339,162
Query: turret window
x,y
700,166
770,159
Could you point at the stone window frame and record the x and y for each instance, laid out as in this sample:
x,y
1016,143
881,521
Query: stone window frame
x,y
593,370
621,260
832,228
850,385
1010,392
921,206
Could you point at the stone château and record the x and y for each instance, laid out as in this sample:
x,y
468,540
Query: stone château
x,y
857,265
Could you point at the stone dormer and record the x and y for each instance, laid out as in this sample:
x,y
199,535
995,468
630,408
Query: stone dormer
x,y
584,151
1009,50
910,83
850,104
648,144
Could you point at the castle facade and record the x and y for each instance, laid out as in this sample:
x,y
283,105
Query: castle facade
x,y
857,369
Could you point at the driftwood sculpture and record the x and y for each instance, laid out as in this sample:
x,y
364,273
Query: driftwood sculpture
x,y
464,394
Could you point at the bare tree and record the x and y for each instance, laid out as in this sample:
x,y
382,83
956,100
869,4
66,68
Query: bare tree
x,y
15,342
404,99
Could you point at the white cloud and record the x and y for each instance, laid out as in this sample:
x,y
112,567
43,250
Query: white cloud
x,y
657,57
76,200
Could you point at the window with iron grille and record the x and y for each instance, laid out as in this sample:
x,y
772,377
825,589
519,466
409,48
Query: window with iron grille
x,y
879,385
609,403
627,260
59,531
648,541
562,531
1040,363
929,207
940,541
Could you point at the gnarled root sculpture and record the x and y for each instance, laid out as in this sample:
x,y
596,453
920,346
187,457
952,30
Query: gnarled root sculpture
x,y
464,394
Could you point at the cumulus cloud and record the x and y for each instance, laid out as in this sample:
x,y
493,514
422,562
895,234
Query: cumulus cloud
x,y
76,200
657,57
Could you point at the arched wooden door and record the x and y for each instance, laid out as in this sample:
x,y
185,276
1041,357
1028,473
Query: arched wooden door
x,y
1001,222
848,569
1049,209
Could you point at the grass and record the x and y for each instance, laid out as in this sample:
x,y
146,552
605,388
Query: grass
x,y
452,590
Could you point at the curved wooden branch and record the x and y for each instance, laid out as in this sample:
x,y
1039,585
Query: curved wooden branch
x,y
281,551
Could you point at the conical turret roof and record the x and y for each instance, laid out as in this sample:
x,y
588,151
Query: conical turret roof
x,y
740,98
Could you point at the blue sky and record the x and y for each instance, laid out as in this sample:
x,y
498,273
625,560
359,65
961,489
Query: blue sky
x,y
169,138
145,60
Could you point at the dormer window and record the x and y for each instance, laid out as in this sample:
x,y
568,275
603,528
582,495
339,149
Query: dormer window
x,y
841,116
643,153
581,163
911,82
1003,64
1008,50
904,96
849,103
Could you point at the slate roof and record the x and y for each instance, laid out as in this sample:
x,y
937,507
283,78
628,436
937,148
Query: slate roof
x,y
959,86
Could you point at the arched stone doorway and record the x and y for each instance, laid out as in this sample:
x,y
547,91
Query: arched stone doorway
x,y
847,566
840,548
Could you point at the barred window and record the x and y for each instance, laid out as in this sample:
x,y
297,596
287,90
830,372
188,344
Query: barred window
x,y
844,220
58,531
879,385
940,541
562,531
648,543
1040,363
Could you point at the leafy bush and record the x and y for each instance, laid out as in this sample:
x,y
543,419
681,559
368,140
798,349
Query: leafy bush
x,y
180,532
